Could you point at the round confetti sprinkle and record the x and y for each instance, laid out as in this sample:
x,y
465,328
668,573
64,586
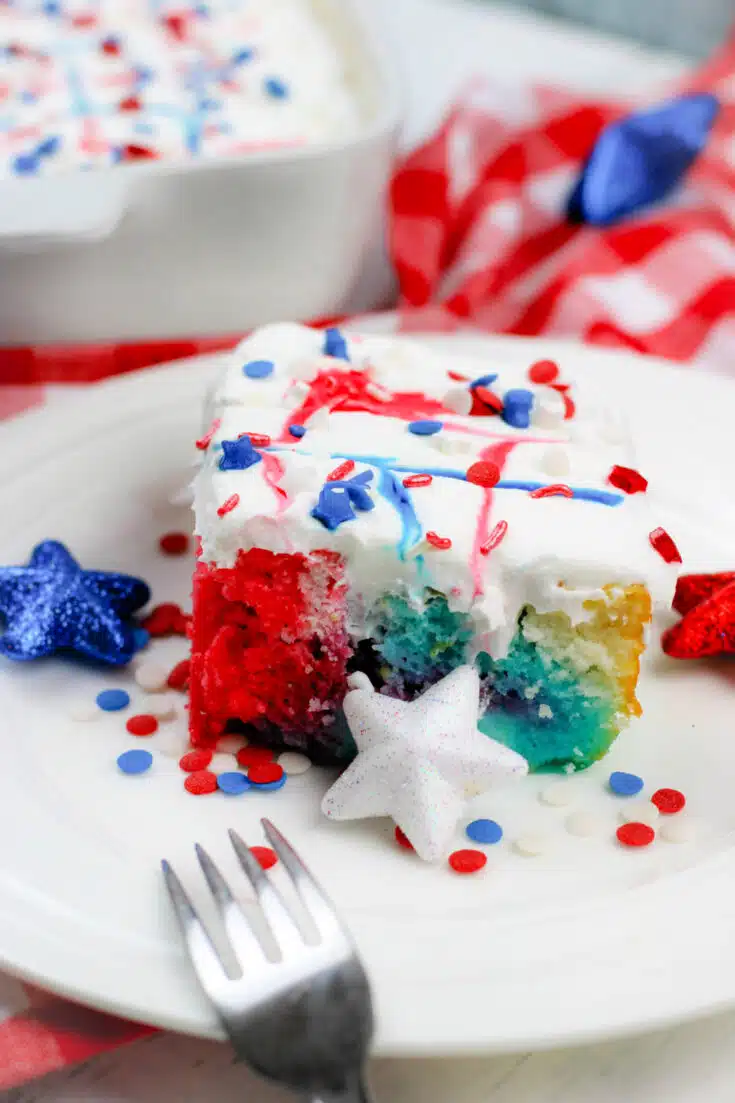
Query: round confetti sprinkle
x,y
486,401
254,756
135,762
483,473
113,700
271,786
166,619
231,743
402,839
297,431
668,801
201,782
543,371
639,811
531,846
586,825
142,724
636,834
559,794
265,773
162,706
625,785
258,369
487,832
233,783
194,761
678,830
293,763
84,710
441,543
174,543
151,677
425,427
179,676
467,861
264,855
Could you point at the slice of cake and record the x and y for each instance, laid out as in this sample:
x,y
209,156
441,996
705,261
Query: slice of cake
x,y
366,504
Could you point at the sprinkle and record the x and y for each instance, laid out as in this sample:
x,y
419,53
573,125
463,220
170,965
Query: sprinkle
x,y
483,473
639,811
412,481
130,103
112,700
668,801
265,773
467,861
271,786
336,501
174,543
254,756
334,344
265,856
242,56
495,538
484,831
441,543
543,371
585,825
488,400
49,146
402,839
258,440
558,794
25,164
151,677
531,846
483,381
138,153
195,761
142,724
625,785
276,88
233,783
664,545
341,471
166,619
555,490
135,762
627,479
204,442
227,507
425,427
569,407
141,638
179,676
111,46
457,377
258,369
201,782
297,431
679,830
517,407
292,763
635,834
238,455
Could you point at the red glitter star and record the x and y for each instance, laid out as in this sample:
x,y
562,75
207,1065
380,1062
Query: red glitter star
x,y
707,627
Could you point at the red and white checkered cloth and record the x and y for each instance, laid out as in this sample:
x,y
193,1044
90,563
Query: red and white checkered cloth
x,y
477,239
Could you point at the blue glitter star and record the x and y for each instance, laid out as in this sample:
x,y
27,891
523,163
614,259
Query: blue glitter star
x,y
238,455
54,605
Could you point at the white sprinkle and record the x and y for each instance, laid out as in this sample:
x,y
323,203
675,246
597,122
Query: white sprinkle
x,y
639,811
555,461
359,680
162,706
151,677
84,710
458,399
678,829
558,794
293,763
231,744
548,409
531,846
586,824
545,712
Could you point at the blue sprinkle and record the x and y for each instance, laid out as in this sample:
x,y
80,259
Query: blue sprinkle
x,y
28,97
143,74
259,369
243,56
269,786
517,406
141,638
276,88
49,146
333,507
25,164
297,431
233,783
135,762
484,831
210,105
625,785
483,381
52,7
238,455
112,700
334,344
425,428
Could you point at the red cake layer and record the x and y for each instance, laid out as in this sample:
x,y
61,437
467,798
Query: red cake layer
x,y
258,628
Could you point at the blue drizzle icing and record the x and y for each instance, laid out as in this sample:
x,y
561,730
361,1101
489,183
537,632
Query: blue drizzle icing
x,y
393,490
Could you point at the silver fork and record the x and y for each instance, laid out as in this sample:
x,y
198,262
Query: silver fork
x,y
304,1021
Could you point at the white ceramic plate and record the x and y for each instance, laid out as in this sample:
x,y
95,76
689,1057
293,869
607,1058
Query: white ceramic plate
x,y
588,940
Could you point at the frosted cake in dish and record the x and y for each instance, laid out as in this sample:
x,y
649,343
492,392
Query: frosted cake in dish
x,y
364,503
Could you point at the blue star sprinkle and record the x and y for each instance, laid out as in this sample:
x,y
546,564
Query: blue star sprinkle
x,y
335,344
54,605
339,500
641,159
517,406
238,455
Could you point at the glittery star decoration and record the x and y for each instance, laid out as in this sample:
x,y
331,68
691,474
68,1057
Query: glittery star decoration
x,y
707,605
419,761
54,605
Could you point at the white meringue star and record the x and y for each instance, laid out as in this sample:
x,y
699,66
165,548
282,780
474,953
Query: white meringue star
x,y
418,761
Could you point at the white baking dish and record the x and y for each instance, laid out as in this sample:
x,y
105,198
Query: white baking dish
x,y
160,249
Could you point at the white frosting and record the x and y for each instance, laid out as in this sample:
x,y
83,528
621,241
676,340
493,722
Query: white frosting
x,y
557,551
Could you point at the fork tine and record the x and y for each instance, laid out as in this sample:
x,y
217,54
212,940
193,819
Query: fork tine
x,y
312,896
207,963
243,939
282,924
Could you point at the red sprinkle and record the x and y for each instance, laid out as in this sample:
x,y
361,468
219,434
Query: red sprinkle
x,y
201,782
138,153
627,479
142,724
174,543
664,545
204,442
264,855
258,440
341,472
263,773
403,839
111,46
166,619
668,801
193,761
441,543
83,20
457,377
176,24
556,489
495,537
417,480
487,400
254,756
467,861
179,676
483,473
228,506
635,834
130,103
543,371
